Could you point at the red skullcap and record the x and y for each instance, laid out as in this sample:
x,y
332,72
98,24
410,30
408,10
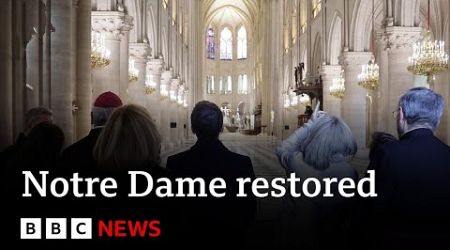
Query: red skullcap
x,y
108,100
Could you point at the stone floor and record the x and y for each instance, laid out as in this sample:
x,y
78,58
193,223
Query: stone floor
x,y
265,232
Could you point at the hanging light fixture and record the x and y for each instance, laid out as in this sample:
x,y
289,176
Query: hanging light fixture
x,y
370,73
133,73
150,85
99,53
180,96
428,56
186,97
337,88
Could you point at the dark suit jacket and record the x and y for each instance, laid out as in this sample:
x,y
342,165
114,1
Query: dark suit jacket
x,y
223,220
79,156
413,186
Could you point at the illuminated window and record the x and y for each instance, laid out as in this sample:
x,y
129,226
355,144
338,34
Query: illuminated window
x,y
210,84
242,43
211,51
225,85
316,7
243,85
226,44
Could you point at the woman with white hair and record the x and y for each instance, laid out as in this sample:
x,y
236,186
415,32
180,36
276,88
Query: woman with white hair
x,y
322,148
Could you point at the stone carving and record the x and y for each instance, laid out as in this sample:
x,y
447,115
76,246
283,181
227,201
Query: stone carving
x,y
111,23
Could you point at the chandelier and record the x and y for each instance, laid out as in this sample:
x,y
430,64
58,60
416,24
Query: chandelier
x,y
150,85
428,56
163,89
370,73
337,88
180,96
99,53
185,101
133,73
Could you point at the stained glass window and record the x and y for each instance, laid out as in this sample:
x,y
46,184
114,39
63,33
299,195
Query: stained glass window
x,y
211,51
226,44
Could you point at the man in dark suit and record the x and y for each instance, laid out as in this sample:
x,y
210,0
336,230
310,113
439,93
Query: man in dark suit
x,y
79,156
223,221
413,178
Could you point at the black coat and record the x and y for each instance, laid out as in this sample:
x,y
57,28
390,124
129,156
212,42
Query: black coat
x,y
79,156
413,186
220,220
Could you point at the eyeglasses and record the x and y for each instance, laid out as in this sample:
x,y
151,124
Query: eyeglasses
x,y
395,113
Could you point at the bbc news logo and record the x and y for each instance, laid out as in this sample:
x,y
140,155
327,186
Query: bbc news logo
x,y
81,228
55,228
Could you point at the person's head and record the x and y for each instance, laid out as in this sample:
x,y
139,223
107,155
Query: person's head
x,y
104,106
206,120
419,108
379,138
42,146
129,139
36,116
329,140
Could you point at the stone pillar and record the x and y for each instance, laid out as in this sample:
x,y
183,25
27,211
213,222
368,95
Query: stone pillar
x,y
83,83
154,67
124,58
354,104
113,25
6,106
331,104
136,90
174,121
62,60
399,41
165,114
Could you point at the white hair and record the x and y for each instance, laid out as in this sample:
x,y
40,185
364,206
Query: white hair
x,y
330,140
422,107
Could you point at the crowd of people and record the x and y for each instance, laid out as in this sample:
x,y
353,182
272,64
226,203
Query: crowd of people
x,y
412,176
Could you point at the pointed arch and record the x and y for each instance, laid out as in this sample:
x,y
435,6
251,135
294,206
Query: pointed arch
x,y
335,40
210,43
226,44
242,43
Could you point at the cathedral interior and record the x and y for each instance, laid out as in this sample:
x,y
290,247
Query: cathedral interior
x,y
263,62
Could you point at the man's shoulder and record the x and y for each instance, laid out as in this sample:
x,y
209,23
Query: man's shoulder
x,y
238,157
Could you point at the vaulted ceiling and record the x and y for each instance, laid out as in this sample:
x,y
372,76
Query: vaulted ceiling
x,y
222,11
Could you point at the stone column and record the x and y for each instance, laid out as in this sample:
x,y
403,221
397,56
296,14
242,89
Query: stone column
x,y
83,83
331,104
174,121
354,104
6,106
124,58
112,24
165,114
136,90
154,67
399,41
62,60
